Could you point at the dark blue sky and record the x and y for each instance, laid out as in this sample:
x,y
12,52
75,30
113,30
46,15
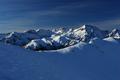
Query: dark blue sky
x,y
17,15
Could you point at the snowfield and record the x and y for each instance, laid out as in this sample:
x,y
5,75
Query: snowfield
x,y
97,60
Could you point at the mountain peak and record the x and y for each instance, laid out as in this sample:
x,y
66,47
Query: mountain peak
x,y
115,33
87,32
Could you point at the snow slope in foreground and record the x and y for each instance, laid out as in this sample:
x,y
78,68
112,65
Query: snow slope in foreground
x,y
99,60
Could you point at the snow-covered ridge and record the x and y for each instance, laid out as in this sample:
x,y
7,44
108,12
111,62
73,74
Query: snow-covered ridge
x,y
58,38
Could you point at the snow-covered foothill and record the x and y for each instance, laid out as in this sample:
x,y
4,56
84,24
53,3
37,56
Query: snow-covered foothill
x,y
39,44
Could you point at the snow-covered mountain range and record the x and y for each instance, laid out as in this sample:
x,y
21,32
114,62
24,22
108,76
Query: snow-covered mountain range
x,y
98,60
84,53
58,38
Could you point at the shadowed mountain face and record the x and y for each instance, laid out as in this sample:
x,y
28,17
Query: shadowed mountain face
x,y
56,39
